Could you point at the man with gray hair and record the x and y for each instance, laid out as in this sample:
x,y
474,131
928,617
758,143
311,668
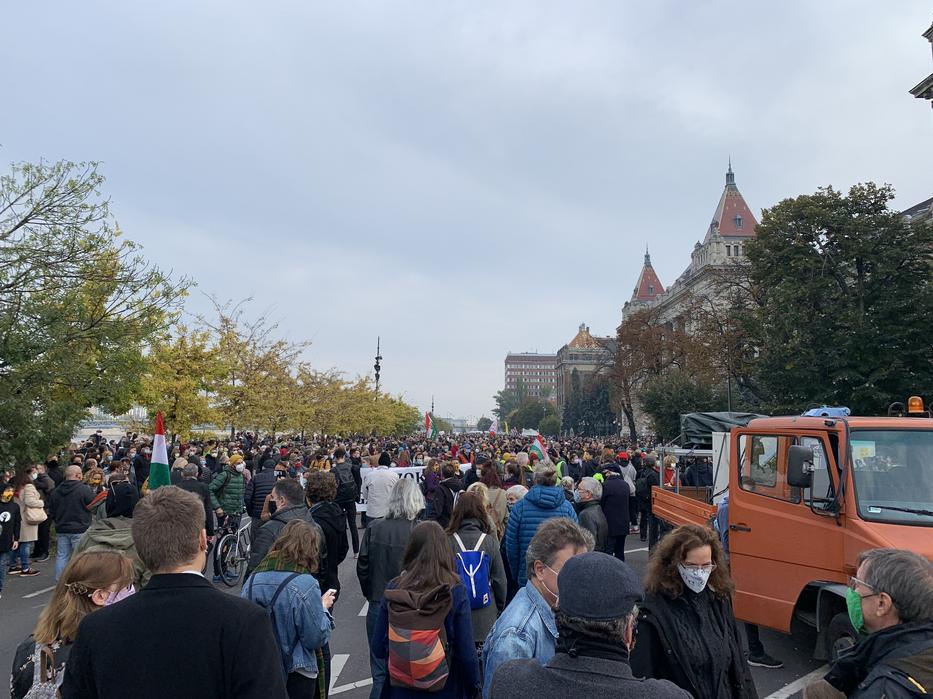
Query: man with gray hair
x,y
68,507
526,628
596,622
890,598
190,482
590,513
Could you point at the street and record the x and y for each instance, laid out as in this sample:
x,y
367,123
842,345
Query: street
x,y
23,599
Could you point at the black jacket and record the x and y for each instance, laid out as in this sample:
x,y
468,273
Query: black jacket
x,y
615,503
257,489
591,517
45,486
444,500
665,647
9,525
141,466
330,518
68,507
880,665
188,640
269,532
381,553
203,492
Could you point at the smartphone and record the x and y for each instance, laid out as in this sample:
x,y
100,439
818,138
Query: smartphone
x,y
331,591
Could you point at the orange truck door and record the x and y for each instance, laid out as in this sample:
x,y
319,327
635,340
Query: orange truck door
x,y
777,544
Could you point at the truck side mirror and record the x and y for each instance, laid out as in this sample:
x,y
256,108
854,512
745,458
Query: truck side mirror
x,y
800,466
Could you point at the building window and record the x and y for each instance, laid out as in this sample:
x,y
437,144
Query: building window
x,y
651,289
728,251
738,221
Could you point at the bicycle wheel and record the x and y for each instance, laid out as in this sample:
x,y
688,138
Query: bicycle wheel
x,y
227,561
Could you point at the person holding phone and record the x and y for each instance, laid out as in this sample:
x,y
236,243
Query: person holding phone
x,y
284,584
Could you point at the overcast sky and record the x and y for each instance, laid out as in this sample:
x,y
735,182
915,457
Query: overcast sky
x,y
459,178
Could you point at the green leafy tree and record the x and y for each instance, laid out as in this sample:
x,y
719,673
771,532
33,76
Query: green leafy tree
x,y
844,302
509,399
549,425
483,424
666,396
78,306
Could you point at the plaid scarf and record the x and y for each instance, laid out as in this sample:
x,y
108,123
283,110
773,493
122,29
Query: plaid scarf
x,y
275,563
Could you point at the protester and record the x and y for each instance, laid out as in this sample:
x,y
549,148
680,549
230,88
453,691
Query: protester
x,y
188,639
289,500
349,484
44,484
10,523
526,628
428,596
543,501
431,479
32,514
648,478
514,474
381,552
890,598
256,492
377,485
329,516
191,483
470,530
498,502
228,488
90,581
615,502
590,513
447,491
687,632
284,584
596,632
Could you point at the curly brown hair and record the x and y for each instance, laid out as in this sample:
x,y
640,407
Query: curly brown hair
x,y
663,578
299,544
321,487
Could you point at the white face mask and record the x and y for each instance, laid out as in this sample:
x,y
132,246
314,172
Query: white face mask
x,y
239,468
695,578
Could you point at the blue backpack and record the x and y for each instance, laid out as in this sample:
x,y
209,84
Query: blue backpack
x,y
473,566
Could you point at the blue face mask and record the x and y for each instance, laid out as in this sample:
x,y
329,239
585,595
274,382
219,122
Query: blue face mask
x,y
576,496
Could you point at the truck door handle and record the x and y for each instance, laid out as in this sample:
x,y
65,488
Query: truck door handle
x,y
739,528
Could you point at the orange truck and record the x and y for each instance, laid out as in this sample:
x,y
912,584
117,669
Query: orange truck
x,y
806,496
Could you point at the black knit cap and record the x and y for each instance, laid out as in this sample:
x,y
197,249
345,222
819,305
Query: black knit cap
x,y
597,586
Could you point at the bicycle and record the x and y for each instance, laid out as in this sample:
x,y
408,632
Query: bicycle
x,y
231,551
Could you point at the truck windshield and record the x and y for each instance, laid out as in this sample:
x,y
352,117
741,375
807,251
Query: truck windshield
x,y
893,473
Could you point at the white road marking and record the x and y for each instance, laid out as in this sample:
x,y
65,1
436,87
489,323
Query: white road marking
x,y
337,662
365,610
791,689
643,548
353,685
39,592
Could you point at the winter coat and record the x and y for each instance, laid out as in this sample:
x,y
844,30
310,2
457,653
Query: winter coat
x,y
258,488
443,504
204,493
114,534
68,507
269,532
380,559
45,486
29,497
499,505
484,618
227,490
464,679
693,641
9,525
889,663
592,519
615,502
541,503
330,517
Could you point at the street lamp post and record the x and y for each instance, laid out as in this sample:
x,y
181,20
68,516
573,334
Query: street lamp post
x,y
377,366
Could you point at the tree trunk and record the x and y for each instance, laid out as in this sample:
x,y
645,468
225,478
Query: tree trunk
x,y
630,419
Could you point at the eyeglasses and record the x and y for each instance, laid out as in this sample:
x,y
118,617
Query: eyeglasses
x,y
855,582
704,568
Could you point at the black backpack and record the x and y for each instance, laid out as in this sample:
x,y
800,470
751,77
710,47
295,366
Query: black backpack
x,y
346,486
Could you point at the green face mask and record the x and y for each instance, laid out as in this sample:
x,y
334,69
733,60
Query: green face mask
x,y
854,607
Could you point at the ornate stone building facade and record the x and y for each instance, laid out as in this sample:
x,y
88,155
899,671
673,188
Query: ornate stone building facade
x,y
587,355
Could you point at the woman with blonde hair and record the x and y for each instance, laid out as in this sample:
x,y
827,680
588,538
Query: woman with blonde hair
x,y
687,632
482,492
91,580
284,584
32,513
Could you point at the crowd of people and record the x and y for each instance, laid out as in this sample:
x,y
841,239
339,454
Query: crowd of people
x,y
499,572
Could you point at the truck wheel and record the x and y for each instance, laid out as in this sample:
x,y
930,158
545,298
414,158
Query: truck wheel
x,y
840,636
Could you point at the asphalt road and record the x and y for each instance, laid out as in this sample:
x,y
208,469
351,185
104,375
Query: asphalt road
x,y
24,598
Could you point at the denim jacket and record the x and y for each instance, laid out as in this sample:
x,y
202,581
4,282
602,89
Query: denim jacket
x,y
526,629
302,623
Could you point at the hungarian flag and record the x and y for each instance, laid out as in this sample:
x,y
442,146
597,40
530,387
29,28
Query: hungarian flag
x,y
158,469
494,428
430,429
537,447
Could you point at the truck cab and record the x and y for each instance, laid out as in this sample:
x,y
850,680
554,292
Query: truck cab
x,y
806,496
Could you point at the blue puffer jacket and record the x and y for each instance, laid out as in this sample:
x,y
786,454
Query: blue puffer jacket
x,y
542,502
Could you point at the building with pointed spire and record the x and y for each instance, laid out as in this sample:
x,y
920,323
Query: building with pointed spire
x,y
584,354
733,224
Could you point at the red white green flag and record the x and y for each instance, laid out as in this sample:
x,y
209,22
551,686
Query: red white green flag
x,y
430,429
158,469
537,448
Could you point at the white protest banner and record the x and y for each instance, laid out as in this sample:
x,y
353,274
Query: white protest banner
x,y
416,472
